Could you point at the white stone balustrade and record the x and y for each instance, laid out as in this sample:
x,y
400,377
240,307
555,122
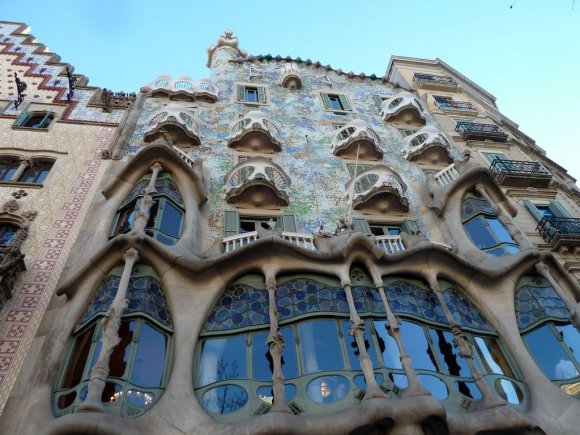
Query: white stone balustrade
x,y
196,89
446,175
390,243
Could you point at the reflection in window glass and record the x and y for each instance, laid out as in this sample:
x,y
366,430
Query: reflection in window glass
x,y
491,355
78,360
225,399
171,221
451,362
289,360
262,364
417,346
150,358
479,233
352,348
435,386
328,389
468,389
320,346
387,346
509,391
500,232
549,355
571,338
122,352
222,358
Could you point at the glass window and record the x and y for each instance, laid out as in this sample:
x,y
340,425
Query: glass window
x,y
321,349
7,234
251,95
7,169
150,357
417,346
479,232
352,347
262,364
549,354
289,359
221,359
36,173
451,362
335,102
492,357
385,230
387,346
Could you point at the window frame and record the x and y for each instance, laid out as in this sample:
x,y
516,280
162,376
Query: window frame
x,y
262,94
343,100
48,117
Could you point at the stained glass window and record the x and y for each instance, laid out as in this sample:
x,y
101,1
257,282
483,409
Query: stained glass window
x,y
407,298
534,304
302,296
240,306
463,311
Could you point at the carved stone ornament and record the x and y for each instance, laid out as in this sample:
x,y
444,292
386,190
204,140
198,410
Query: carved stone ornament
x,y
105,155
10,206
19,194
29,215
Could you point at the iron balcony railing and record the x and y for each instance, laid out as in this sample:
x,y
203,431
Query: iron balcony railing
x,y
475,130
458,105
444,80
551,228
500,168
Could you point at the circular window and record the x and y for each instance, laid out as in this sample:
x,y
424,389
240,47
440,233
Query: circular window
x,y
509,391
225,399
435,386
328,389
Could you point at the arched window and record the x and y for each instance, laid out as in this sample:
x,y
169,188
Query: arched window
x,y
427,336
544,323
484,228
138,367
34,119
166,215
7,234
8,167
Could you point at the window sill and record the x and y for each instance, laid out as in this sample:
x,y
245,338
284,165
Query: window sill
x,y
245,103
21,184
340,112
17,127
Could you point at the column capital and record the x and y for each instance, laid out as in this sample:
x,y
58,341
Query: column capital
x,y
24,161
271,284
156,167
542,268
131,254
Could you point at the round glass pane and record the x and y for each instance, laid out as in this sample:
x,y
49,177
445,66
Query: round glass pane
x,y
66,400
435,386
328,389
225,399
141,399
360,381
400,381
509,391
83,394
266,395
468,389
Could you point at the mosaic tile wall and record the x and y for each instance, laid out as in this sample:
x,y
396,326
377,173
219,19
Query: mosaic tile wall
x,y
305,133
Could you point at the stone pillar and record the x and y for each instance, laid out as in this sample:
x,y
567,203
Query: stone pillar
x,y
24,164
489,399
147,201
357,330
544,270
394,327
276,344
507,221
109,338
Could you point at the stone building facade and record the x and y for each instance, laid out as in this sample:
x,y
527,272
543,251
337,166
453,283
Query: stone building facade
x,y
288,248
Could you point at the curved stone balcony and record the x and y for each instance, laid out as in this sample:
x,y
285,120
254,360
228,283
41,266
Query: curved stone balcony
x,y
427,145
184,86
257,183
255,132
176,123
378,190
403,108
357,137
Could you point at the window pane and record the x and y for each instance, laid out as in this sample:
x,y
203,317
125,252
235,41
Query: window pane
x,y
7,169
30,175
122,352
328,389
152,214
417,346
500,231
289,359
262,364
222,358
251,95
352,348
225,399
41,175
549,354
150,358
335,102
492,357
387,346
171,220
571,338
78,358
479,233
320,346
452,363
7,233
247,226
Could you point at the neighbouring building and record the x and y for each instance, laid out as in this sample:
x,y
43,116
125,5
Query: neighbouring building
x,y
283,247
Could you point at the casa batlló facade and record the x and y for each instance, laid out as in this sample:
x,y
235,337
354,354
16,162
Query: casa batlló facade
x,y
280,248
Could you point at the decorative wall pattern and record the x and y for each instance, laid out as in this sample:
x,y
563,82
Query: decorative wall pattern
x,y
534,304
240,306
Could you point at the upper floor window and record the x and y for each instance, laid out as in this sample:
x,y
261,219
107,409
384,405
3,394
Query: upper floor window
x,y
251,94
34,119
336,102
32,171
8,168
7,234
138,365
491,156
552,209
485,230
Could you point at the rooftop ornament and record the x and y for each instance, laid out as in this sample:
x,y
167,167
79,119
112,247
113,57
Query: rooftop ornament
x,y
71,84
20,87
227,40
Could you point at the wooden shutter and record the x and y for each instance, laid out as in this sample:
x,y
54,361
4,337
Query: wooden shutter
x,y
410,226
378,100
344,102
558,210
241,93
261,94
45,121
326,101
231,223
361,225
22,118
533,210
287,222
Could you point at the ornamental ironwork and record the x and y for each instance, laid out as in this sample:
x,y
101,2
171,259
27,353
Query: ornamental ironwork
x,y
117,99
20,88
501,167
422,77
476,131
553,228
449,103
71,84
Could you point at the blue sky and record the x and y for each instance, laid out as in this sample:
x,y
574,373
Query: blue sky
x,y
527,56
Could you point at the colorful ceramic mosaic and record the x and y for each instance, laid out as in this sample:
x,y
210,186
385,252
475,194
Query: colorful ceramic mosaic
x,y
463,311
144,295
302,296
472,205
239,307
535,304
367,301
407,298
164,186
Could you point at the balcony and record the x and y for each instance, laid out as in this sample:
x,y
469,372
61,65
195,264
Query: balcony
x,y
449,105
520,173
446,175
403,108
475,131
559,231
357,139
11,266
257,183
183,88
255,133
428,145
175,123
433,81
378,190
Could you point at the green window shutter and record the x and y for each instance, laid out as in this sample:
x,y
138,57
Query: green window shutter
x,y
241,93
261,94
410,226
22,119
326,101
287,222
361,225
231,223
344,102
559,210
533,210
378,100
45,121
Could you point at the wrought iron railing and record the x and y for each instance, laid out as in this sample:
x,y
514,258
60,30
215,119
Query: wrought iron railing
x,y
501,167
422,77
475,129
452,104
551,228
